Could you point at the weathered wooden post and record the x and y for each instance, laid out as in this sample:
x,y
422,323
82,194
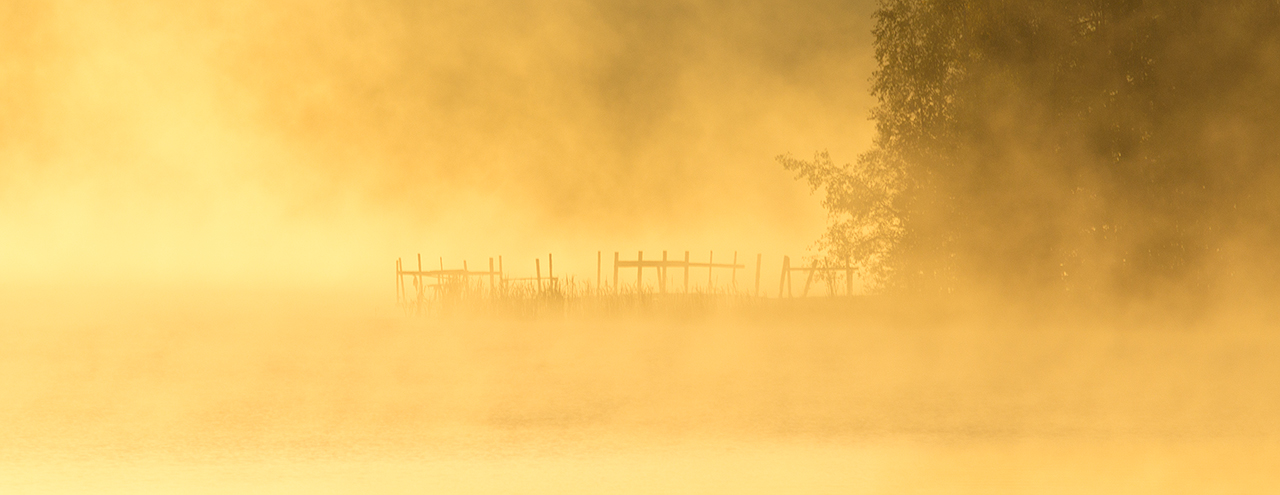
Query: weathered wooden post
x,y
808,279
786,270
711,259
662,271
758,259
686,272
733,276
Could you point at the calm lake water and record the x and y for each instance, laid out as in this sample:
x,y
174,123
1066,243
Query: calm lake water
x,y
979,466
303,398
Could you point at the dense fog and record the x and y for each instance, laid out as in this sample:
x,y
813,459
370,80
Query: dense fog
x,y
1050,233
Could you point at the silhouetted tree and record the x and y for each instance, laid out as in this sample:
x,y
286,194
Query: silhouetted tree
x,y
1078,146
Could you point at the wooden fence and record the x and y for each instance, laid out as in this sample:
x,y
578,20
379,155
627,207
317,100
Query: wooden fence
x,y
787,270
438,284
445,279
661,267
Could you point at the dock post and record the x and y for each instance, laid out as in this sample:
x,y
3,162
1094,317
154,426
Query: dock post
x,y
733,276
711,259
782,280
758,257
662,271
808,279
686,272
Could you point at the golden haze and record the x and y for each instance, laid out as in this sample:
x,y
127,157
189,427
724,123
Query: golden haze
x,y
201,205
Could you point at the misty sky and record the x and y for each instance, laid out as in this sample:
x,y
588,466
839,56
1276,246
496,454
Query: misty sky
x,y
261,139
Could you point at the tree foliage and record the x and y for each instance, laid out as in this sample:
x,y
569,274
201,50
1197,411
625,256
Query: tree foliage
x,y
1077,146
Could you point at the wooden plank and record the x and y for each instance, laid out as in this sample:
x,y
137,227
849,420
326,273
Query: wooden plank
x,y
715,265
676,264
820,269
448,273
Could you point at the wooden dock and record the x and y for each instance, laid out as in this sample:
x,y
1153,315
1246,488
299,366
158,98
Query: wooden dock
x,y
421,287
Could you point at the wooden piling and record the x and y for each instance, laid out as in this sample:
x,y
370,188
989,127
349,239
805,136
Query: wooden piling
x,y
759,256
807,280
662,271
786,270
733,275
686,272
711,259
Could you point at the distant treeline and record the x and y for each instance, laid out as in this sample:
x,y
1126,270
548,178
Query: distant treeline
x,y
1106,147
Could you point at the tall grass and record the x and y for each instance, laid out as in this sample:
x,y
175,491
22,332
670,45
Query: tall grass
x,y
567,297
